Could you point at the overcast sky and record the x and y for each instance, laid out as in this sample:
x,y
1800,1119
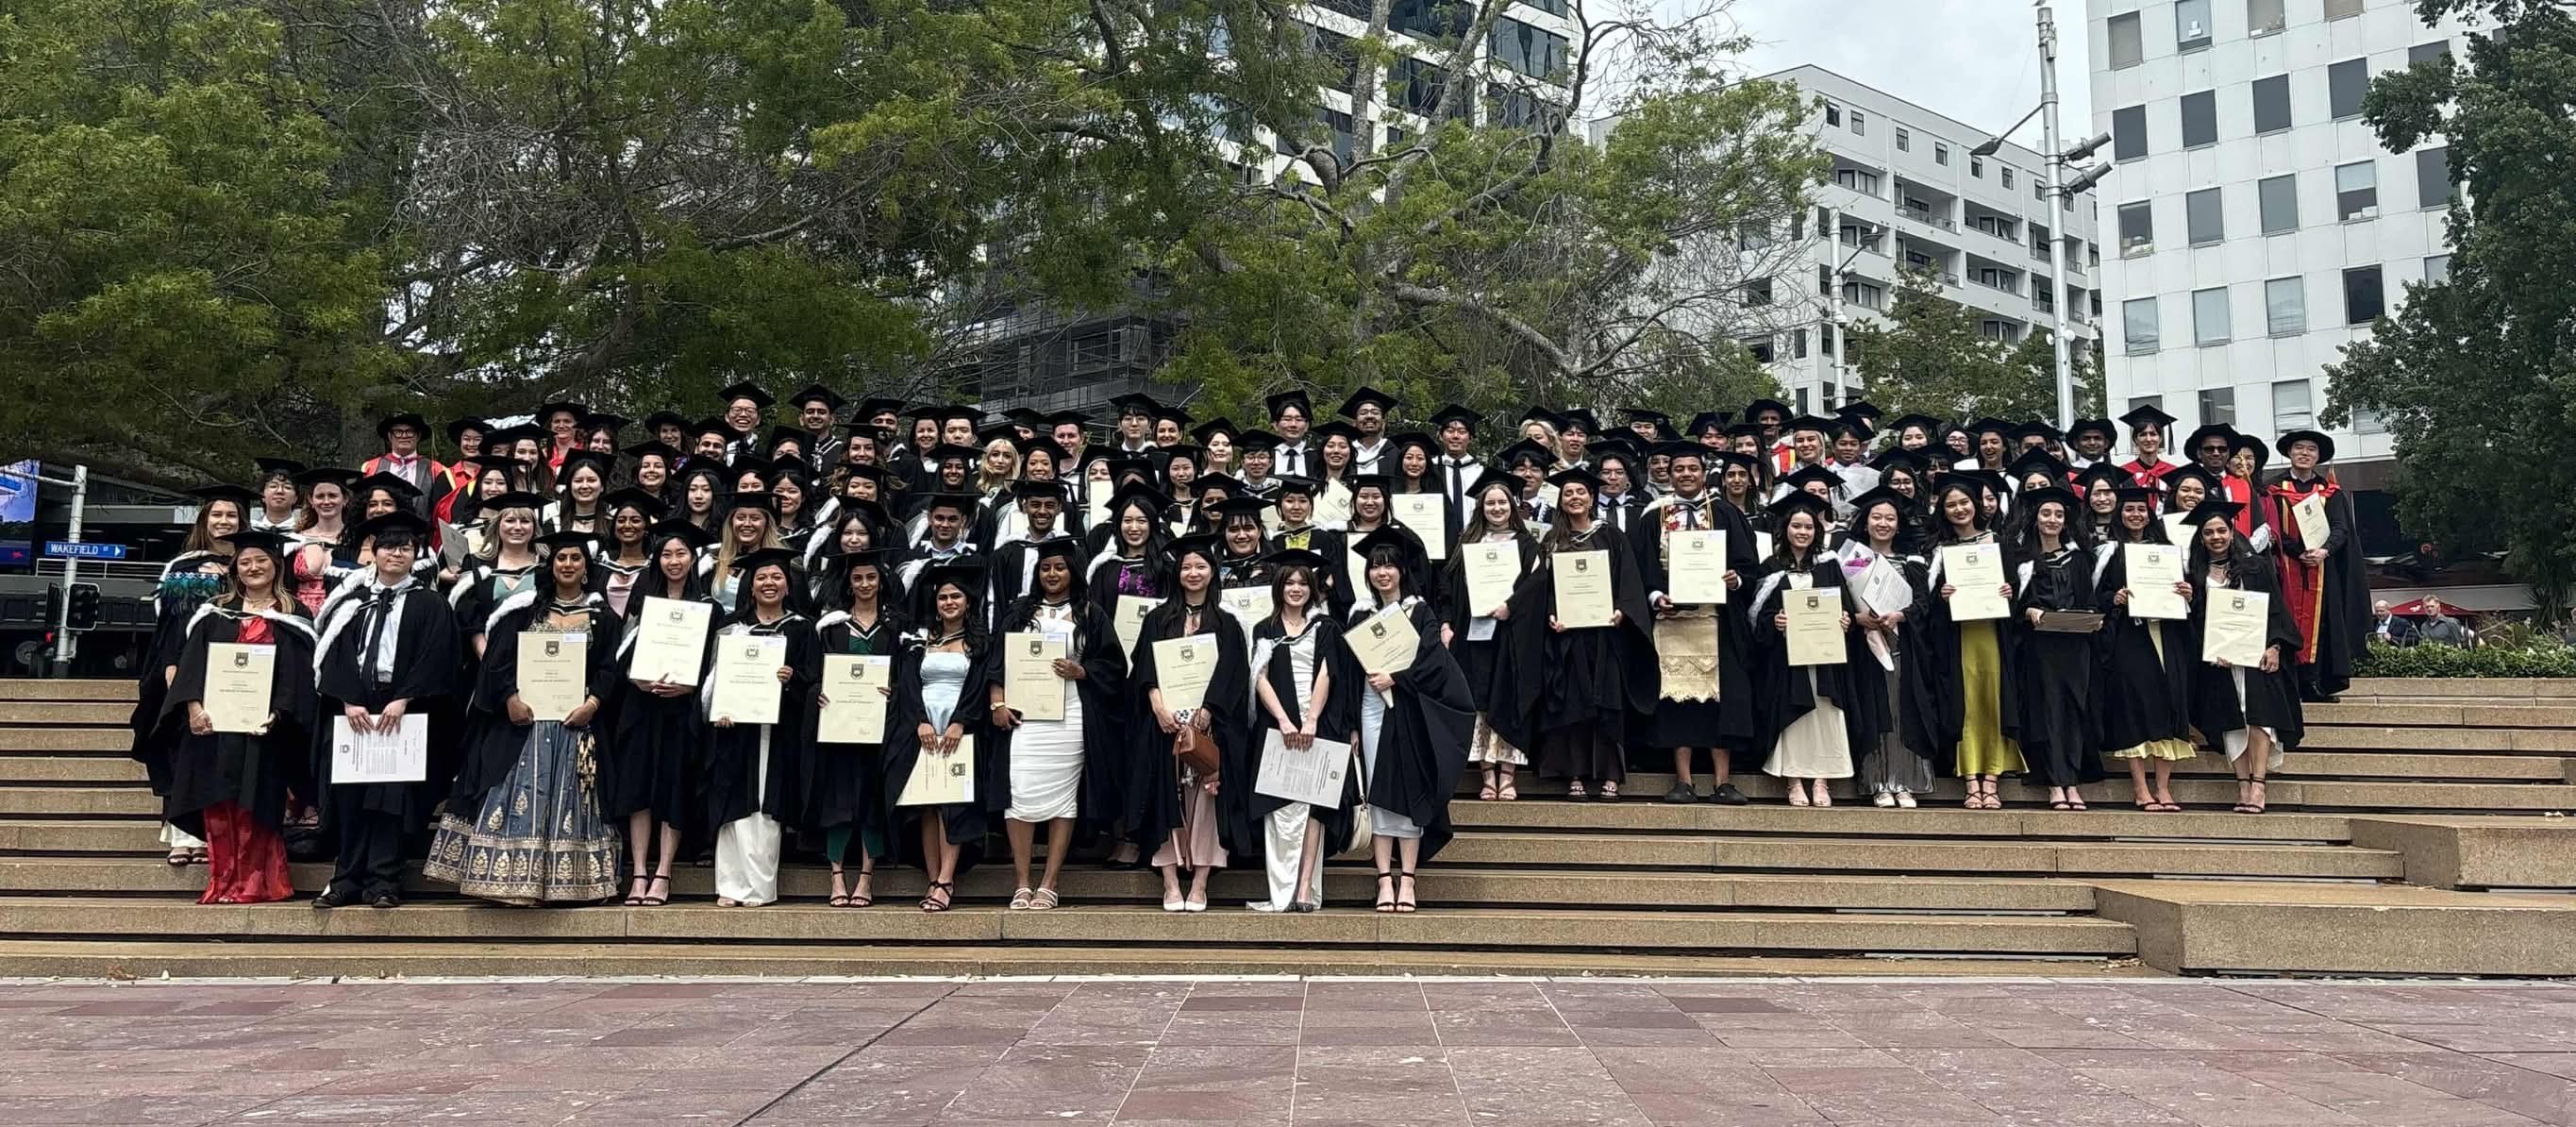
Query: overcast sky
x,y
1974,60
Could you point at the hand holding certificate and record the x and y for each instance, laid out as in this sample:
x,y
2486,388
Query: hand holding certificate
x,y
1583,588
1384,643
2310,514
670,641
238,683
1696,563
1815,625
941,779
746,682
1427,514
1312,775
1493,570
1977,572
2153,571
554,672
1183,667
855,687
2235,630
1029,682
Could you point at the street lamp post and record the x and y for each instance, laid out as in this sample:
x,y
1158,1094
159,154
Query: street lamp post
x,y
2061,190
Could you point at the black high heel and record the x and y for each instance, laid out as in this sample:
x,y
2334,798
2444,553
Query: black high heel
x,y
1386,899
1404,903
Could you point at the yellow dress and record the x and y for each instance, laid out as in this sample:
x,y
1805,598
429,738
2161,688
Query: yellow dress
x,y
1983,748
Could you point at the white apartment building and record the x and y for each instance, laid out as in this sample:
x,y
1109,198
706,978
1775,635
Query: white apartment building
x,y
1904,192
1524,60
2257,225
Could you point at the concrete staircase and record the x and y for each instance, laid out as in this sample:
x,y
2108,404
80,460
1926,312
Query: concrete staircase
x,y
2407,838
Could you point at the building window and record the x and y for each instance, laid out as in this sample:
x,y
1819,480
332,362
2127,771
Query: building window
x,y
2043,295
2357,191
1443,21
2155,401
1833,114
1824,281
2285,307
2209,316
2427,52
2129,133
2433,185
1551,7
1994,278
2204,218
1865,183
1757,292
1977,167
2137,228
1798,344
2280,199
2004,331
2263,17
1761,350
2366,421
2363,300
2272,104
2191,25
2437,269
2346,82
2200,119
2128,41
1864,294
2292,408
2006,175
1527,49
1904,140
2138,325
1339,124
1940,153
2342,9
1859,124
1825,337
2218,407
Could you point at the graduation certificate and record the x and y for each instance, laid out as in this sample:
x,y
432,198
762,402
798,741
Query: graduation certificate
x,y
2153,571
2235,630
2310,513
670,641
1492,570
1029,683
855,685
1583,594
941,780
746,679
238,681
1815,625
1315,775
378,756
1248,605
1427,514
1184,666
1695,567
554,672
1130,623
1977,571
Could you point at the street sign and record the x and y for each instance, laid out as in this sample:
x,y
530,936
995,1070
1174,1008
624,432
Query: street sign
x,y
76,550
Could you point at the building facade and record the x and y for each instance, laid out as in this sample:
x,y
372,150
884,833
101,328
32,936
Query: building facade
x,y
2257,225
1905,193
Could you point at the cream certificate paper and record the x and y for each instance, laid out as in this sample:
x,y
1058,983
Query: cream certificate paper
x,y
2310,512
2236,628
2153,571
238,681
1314,775
1427,514
670,641
1695,567
746,681
1029,683
1977,570
1184,666
857,714
554,672
1583,596
1248,605
1132,610
378,756
1815,625
1493,570
941,780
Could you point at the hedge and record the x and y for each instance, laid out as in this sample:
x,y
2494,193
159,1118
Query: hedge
x,y
2538,658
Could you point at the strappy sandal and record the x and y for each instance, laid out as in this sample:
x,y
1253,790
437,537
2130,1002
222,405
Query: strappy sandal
x,y
1403,899
652,901
1386,899
1797,794
2244,791
1574,790
1488,792
1042,899
937,899
199,856
2075,801
860,899
2257,805
636,899
1020,899
178,857
1511,791
1609,792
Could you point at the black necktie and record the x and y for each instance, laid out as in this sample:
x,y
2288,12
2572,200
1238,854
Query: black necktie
x,y
380,610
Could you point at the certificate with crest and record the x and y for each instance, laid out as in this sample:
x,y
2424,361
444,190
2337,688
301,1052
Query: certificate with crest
x,y
554,672
1427,514
1583,588
1695,562
1029,683
238,682
855,685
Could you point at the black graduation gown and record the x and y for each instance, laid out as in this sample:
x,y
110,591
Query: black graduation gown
x,y
1858,686
1345,587
1423,738
1325,542
494,742
962,823
1592,678
1732,722
182,590
1942,719
1478,661
1152,801
656,749
849,779
2343,613
426,654
2061,724
733,777
1008,564
1244,809
1101,689
2142,696
2271,699
254,771
1916,710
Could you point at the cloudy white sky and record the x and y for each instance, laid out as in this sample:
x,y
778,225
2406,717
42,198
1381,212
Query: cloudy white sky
x,y
1974,60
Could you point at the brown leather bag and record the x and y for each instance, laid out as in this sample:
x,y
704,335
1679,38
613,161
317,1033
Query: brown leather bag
x,y
1198,754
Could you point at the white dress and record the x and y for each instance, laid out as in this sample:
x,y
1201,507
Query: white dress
x,y
1817,746
1283,837
1046,755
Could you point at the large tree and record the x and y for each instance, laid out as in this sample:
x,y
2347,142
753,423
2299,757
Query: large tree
x,y
2475,377
1931,356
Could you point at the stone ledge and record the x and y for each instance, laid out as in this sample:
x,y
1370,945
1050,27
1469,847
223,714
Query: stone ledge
x,y
2476,852
2214,927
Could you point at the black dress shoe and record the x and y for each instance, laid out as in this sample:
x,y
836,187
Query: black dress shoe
x,y
385,900
1681,794
1727,795
331,898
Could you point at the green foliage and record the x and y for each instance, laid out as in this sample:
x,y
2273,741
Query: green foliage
x,y
2473,377
2538,657
1931,356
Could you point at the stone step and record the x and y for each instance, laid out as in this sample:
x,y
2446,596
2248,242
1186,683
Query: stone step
x,y
1714,932
78,802
1875,855
2201,794
22,689
2237,927
2547,689
1345,883
2438,714
1542,815
87,770
16,741
42,713
2381,737
126,960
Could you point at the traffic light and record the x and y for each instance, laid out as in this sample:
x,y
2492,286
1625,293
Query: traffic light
x,y
84,606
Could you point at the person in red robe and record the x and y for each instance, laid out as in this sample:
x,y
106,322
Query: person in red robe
x,y
2148,425
2323,577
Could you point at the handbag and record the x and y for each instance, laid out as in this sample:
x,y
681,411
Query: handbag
x,y
1199,755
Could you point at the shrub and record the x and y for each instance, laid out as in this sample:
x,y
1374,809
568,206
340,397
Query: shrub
x,y
2531,657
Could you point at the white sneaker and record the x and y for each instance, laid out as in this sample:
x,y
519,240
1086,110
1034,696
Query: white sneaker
x,y
1884,799
1905,800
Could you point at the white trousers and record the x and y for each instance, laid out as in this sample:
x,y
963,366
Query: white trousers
x,y
747,848
177,838
1283,852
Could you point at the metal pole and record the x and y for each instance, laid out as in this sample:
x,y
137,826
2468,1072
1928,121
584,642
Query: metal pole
x,y
2058,343
64,647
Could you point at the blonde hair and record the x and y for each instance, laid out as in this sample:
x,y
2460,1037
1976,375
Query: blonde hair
x,y
1547,437
986,482
725,549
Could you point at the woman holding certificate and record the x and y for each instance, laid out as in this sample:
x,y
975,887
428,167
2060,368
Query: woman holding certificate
x,y
1974,661
1495,551
2148,663
1070,705
240,710
1893,606
759,698
191,578
2059,573
850,801
1579,661
1808,666
1190,661
1302,684
2245,687
523,824
657,733
938,730
1415,720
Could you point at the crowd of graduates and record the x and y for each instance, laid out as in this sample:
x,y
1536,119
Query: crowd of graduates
x,y
399,598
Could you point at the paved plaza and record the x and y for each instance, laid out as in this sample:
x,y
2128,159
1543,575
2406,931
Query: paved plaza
x,y
1507,1053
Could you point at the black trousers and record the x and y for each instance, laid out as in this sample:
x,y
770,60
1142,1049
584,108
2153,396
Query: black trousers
x,y
371,856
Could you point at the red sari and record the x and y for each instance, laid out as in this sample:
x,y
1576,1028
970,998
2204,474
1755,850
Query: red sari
x,y
245,861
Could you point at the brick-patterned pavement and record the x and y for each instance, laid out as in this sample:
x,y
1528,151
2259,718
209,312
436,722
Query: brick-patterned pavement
x,y
1499,1053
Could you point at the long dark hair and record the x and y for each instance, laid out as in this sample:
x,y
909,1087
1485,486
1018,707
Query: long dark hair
x,y
1781,557
2239,559
1942,531
924,608
747,606
653,584
1279,592
2071,536
836,588
1857,531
